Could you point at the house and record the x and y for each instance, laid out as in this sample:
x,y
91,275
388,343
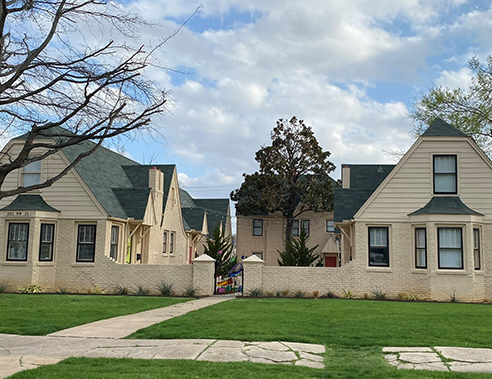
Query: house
x,y
424,225
201,217
263,235
108,211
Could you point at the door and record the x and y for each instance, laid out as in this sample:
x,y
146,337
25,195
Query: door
x,y
330,261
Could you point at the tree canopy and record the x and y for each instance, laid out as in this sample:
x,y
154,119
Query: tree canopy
x,y
71,70
468,109
293,175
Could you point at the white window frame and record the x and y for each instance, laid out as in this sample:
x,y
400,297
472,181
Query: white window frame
x,y
439,247
24,173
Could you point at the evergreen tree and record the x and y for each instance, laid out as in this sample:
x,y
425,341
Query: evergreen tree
x,y
297,253
220,248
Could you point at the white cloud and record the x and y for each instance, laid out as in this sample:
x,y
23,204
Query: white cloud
x,y
452,79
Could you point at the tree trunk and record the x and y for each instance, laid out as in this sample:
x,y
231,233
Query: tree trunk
x,y
288,229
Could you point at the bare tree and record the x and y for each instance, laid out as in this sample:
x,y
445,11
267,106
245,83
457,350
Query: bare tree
x,y
62,77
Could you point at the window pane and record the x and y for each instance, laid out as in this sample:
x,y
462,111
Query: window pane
x,y
33,167
421,261
330,226
378,237
445,183
257,227
17,242
31,179
445,164
47,233
295,228
420,243
86,233
450,258
450,238
86,252
476,239
305,226
45,252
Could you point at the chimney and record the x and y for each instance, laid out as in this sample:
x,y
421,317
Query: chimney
x,y
345,176
156,179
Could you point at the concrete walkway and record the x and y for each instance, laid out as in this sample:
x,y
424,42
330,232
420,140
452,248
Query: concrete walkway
x,y
123,326
19,353
102,339
440,358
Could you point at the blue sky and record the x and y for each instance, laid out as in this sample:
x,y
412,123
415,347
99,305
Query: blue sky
x,y
350,69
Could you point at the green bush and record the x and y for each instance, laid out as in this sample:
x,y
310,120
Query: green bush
x,y
347,294
165,289
142,291
30,288
190,291
120,289
255,292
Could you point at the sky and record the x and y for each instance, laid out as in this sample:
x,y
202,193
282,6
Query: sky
x,y
350,69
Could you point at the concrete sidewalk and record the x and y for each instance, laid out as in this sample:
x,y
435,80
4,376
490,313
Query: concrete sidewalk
x,y
123,326
19,353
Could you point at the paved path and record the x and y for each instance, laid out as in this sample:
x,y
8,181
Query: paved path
x,y
19,353
103,339
440,358
123,326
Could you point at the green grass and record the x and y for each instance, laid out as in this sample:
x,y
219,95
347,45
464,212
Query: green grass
x,y
337,322
43,314
353,332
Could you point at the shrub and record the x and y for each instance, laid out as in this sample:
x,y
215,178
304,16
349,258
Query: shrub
x,y
365,296
347,294
255,292
190,291
409,296
62,290
165,289
299,293
141,291
96,291
120,289
4,286
330,295
278,293
30,288
452,297
315,294
379,294
285,293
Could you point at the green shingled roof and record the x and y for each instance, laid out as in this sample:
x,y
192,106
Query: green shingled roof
x,y
364,179
216,212
194,218
446,205
133,201
440,128
186,199
29,203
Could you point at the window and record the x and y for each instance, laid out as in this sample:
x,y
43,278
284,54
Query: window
x,y
86,243
450,248
305,226
445,178
164,243
115,236
476,248
378,247
46,242
295,228
330,226
259,255
420,248
31,174
257,227
171,243
17,242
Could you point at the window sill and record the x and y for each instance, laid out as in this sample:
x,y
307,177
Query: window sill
x,y
14,263
379,269
83,264
421,271
46,264
451,272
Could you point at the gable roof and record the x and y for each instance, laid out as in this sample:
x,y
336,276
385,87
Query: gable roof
x,y
440,128
364,179
217,210
193,210
29,203
446,205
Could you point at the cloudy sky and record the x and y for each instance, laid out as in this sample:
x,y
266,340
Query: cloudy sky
x,y
350,68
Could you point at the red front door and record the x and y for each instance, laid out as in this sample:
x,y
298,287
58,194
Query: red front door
x,y
330,261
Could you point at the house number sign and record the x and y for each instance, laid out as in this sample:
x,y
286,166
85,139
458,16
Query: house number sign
x,y
18,214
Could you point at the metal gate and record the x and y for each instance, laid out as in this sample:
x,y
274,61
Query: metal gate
x,y
232,283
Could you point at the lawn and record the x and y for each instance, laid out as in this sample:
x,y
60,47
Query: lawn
x,y
39,314
352,331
